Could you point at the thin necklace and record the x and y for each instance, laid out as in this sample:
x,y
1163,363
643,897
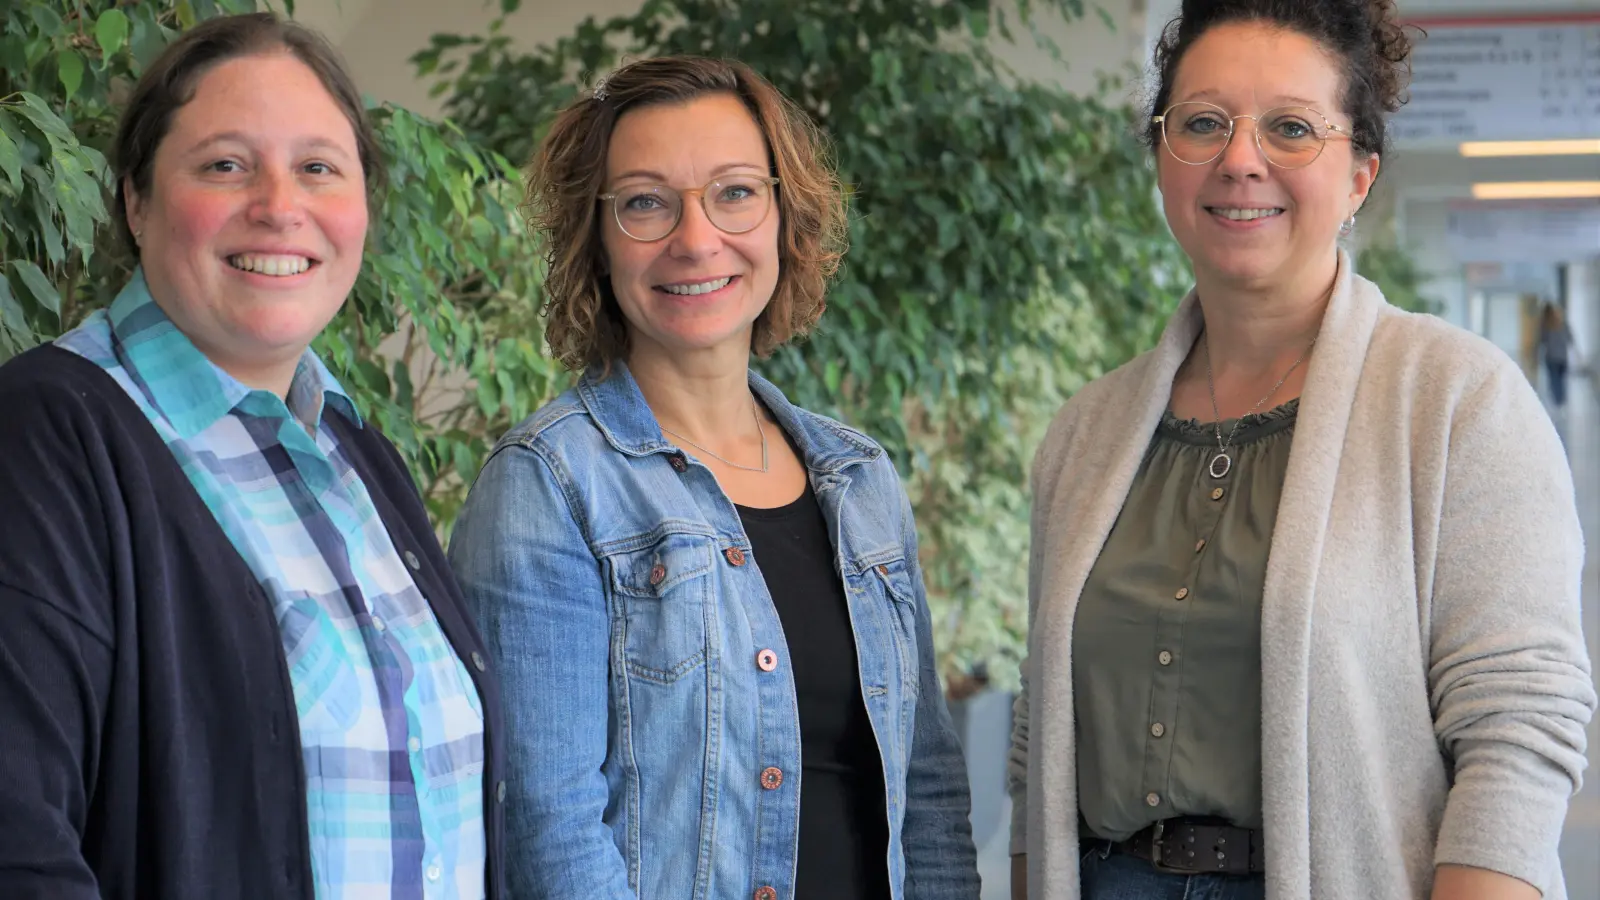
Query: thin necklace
x,y
1222,463
724,460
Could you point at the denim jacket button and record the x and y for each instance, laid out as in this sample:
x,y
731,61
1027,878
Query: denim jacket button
x,y
766,893
766,660
658,574
883,570
735,556
678,463
772,778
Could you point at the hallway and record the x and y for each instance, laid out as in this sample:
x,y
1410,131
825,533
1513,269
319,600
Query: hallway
x,y
1579,424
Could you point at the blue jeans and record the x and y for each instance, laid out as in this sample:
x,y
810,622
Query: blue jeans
x,y
1118,876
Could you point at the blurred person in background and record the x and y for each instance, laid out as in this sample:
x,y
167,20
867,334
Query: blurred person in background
x,y
233,660
1304,587
706,601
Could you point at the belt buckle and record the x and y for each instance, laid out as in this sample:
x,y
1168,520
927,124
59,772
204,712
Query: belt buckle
x,y
1156,832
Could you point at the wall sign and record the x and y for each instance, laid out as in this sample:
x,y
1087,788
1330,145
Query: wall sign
x,y
1503,79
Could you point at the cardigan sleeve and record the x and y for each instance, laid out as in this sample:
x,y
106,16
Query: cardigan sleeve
x,y
55,646
1508,673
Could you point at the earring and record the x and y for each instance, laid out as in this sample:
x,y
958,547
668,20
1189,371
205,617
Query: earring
x,y
1348,227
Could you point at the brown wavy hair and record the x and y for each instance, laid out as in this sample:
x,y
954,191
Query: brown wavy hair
x,y
568,170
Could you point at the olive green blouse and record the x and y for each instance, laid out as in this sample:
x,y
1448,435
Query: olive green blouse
x,y
1166,644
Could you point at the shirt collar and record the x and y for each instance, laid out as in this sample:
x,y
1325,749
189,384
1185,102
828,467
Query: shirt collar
x,y
191,391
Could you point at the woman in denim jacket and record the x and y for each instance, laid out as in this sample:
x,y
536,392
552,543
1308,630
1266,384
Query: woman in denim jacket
x,y
705,601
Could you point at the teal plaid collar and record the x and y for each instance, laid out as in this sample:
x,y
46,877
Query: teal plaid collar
x,y
189,389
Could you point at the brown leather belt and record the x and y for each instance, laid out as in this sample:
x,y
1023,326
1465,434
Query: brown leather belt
x,y
1196,846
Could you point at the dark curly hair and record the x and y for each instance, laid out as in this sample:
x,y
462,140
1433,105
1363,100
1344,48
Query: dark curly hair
x,y
585,324
1373,47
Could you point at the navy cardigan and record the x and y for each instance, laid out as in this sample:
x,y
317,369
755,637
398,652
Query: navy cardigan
x,y
149,745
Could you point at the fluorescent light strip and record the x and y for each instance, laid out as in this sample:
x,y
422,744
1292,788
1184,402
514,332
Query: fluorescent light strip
x,y
1534,190
1575,147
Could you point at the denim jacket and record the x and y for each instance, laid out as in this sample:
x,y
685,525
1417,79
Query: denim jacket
x,y
612,577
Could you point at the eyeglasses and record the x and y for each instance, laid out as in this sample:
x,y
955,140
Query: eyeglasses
x,y
735,204
1290,137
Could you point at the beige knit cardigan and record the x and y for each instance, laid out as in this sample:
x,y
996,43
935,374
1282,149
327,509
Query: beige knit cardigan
x,y
1425,685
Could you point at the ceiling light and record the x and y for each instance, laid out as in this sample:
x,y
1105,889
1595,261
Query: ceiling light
x,y
1574,147
1534,190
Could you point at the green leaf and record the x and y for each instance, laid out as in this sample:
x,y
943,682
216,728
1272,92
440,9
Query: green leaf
x,y
44,293
44,118
111,32
11,312
69,67
10,158
47,20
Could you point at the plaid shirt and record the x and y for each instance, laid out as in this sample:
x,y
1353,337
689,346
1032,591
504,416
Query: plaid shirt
x,y
391,728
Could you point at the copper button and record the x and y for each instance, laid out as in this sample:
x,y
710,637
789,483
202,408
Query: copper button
x,y
766,660
1182,593
883,570
772,778
735,556
658,574
1216,493
766,893
679,464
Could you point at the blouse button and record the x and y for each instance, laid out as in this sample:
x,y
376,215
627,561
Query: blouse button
x,y
413,562
1199,545
658,574
766,660
766,893
1157,730
1152,799
1182,593
500,792
1164,657
735,556
772,778
478,662
1216,493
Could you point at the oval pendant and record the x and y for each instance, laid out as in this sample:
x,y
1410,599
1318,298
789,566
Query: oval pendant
x,y
1221,464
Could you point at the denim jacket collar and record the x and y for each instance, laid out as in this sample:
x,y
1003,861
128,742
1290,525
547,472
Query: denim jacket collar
x,y
619,410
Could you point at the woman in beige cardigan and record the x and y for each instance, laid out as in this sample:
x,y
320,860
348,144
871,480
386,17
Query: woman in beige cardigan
x,y
1330,650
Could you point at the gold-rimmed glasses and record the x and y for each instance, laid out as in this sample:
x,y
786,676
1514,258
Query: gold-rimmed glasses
x,y
733,203
1290,137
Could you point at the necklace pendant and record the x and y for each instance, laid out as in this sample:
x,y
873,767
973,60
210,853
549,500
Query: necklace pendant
x,y
1221,465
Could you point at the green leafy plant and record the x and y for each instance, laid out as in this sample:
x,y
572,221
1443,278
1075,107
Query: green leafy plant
x,y
1384,261
439,343
1005,247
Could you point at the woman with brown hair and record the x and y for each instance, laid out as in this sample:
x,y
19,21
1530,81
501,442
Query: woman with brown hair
x,y
233,661
1304,588
706,601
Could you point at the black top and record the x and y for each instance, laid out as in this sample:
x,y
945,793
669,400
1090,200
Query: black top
x,y
149,745
844,829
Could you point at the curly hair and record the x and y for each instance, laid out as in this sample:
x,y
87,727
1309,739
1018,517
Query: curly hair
x,y
1366,36
565,177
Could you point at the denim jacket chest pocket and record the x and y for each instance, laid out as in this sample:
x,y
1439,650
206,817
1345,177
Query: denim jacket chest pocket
x,y
663,606
891,598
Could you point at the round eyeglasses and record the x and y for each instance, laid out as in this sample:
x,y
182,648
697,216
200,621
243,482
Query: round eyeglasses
x,y
1290,137
733,203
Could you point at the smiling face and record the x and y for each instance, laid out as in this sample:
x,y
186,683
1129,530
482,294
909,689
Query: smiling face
x,y
251,233
699,289
1242,221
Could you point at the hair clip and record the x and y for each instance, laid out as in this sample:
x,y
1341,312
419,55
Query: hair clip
x,y
600,88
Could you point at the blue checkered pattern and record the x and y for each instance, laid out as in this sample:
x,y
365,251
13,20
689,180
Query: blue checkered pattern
x,y
390,724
